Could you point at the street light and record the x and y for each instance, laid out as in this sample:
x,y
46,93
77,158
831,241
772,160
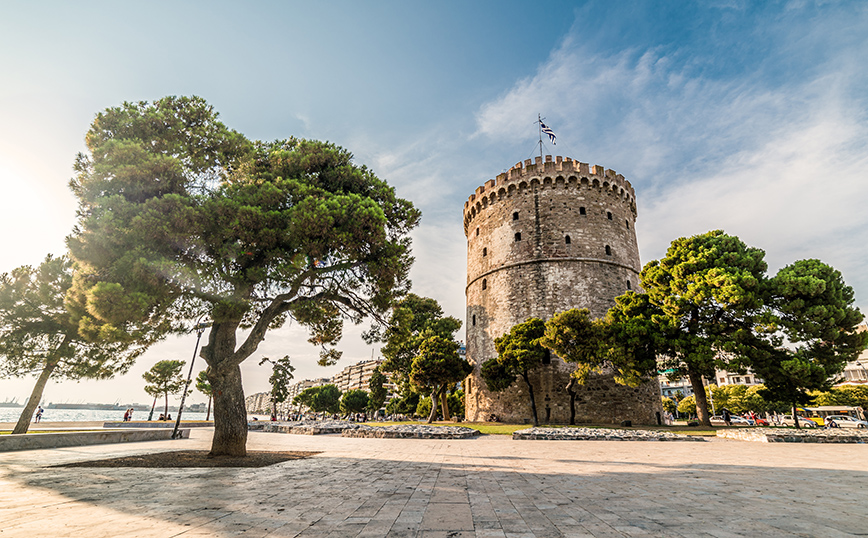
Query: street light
x,y
200,328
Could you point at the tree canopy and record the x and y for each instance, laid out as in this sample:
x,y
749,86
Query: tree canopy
x,y
438,365
354,401
518,352
708,289
165,378
378,393
812,310
281,375
180,215
322,399
39,336
413,319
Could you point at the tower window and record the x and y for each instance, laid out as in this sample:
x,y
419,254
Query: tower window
x,y
474,320
484,284
518,236
547,358
608,250
582,211
567,240
515,216
628,285
477,231
484,252
609,215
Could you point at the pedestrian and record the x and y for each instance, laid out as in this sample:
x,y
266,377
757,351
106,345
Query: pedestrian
x,y
38,413
126,415
130,418
727,417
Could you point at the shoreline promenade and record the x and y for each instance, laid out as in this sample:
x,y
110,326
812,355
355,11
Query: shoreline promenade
x,y
491,486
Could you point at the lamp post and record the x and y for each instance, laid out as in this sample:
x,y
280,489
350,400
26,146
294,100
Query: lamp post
x,y
200,328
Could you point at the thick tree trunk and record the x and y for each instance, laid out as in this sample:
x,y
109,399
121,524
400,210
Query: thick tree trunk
x,y
434,396
701,400
230,413
532,400
444,405
796,417
35,397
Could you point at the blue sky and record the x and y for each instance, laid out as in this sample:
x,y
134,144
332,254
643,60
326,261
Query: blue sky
x,y
744,116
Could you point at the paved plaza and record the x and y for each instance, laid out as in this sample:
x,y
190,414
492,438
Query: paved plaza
x,y
490,486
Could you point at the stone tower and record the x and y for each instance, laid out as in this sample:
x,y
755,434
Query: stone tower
x,y
542,238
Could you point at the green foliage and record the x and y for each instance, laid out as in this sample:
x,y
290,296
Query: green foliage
x,y
281,375
706,293
378,392
518,352
322,399
180,215
403,405
165,378
202,383
437,366
637,336
456,403
423,407
578,339
687,406
354,401
39,335
669,405
497,377
812,308
850,395
413,320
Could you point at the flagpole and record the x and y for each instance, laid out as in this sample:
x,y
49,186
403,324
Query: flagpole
x,y
539,125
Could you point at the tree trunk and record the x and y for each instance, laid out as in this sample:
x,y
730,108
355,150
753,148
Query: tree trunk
x,y
532,400
701,400
444,405
208,415
796,417
434,397
230,413
153,405
35,397
166,408
571,390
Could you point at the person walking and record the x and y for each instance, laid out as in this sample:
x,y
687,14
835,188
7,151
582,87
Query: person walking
x,y
39,411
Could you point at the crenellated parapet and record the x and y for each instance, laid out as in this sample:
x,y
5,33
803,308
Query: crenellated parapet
x,y
559,172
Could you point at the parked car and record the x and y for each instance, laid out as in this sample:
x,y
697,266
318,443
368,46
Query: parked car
x,y
761,422
787,420
846,421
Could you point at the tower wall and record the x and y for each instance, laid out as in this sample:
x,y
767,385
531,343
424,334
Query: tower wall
x,y
567,213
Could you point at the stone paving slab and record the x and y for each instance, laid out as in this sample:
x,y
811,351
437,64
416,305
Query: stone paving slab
x,y
489,486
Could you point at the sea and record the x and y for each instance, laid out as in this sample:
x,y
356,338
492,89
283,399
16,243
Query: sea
x,y
11,414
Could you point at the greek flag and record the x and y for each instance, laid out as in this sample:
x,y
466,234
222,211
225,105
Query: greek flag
x,y
547,130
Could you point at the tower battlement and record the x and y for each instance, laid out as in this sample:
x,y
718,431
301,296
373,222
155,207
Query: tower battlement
x,y
558,172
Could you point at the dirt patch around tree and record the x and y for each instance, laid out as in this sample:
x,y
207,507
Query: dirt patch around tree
x,y
194,459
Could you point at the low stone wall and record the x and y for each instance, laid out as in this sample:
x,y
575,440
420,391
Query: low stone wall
x,y
307,427
34,441
598,434
787,435
411,431
158,424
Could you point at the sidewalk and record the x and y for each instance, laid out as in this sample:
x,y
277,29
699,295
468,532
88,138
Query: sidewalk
x,y
486,487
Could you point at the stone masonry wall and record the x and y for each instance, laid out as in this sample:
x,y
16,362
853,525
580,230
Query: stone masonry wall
x,y
543,238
